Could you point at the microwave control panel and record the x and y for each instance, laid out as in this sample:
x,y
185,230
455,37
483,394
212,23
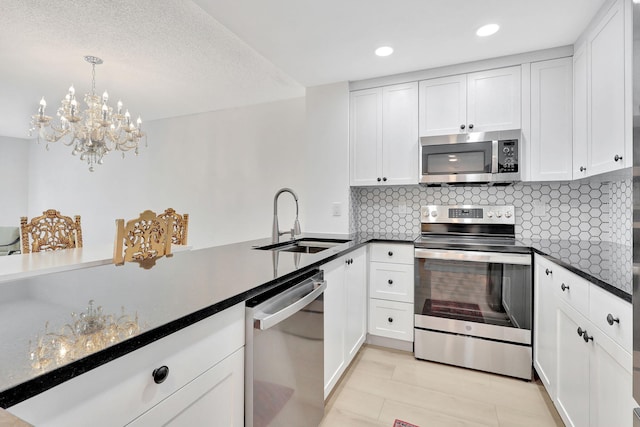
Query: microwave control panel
x,y
508,156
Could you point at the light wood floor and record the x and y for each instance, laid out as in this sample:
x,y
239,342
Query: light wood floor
x,y
382,385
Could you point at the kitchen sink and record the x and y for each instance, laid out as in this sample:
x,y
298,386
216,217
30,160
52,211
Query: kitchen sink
x,y
307,246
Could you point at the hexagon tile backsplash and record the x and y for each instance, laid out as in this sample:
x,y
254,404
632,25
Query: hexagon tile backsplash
x,y
556,210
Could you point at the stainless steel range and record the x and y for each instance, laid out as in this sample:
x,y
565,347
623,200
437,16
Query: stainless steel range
x,y
473,293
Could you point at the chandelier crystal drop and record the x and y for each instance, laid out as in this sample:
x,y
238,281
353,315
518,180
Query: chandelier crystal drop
x,y
94,132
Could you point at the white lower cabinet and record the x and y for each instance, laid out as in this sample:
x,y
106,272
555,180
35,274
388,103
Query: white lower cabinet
x,y
345,313
391,291
210,399
204,386
585,366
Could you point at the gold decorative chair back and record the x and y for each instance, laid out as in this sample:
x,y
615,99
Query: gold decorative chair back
x,y
180,226
143,239
49,232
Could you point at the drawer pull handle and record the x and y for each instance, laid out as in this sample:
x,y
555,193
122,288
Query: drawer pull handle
x,y
390,253
390,320
160,374
611,320
391,283
564,287
547,272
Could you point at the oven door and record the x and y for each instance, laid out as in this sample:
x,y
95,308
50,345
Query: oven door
x,y
458,162
481,294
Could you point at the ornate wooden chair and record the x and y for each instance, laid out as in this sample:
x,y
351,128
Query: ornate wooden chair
x,y
49,232
180,226
143,239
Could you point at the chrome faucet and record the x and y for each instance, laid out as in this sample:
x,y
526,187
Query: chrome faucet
x,y
276,233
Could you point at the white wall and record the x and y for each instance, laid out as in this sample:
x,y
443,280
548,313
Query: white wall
x,y
327,158
14,166
223,168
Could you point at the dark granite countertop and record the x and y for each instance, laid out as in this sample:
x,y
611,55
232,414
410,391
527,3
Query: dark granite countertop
x,y
606,264
174,294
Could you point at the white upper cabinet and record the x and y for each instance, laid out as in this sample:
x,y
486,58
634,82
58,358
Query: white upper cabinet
x,y
580,134
606,92
494,100
602,104
443,105
384,135
477,102
551,121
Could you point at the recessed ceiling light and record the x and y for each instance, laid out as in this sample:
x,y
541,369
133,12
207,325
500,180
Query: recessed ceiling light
x,y
384,51
487,30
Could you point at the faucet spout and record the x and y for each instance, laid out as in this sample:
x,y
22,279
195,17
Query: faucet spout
x,y
275,232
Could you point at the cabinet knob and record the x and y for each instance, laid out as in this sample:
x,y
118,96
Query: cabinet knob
x,y
616,158
379,179
462,127
586,337
160,374
582,169
580,331
547,271
384,178
470,125
391,283
611,320
564,287
390,320
390,253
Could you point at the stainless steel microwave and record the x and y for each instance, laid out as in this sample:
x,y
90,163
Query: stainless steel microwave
x,y
479,157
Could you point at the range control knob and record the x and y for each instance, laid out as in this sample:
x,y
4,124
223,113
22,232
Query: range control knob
x,y
508,214
489,214
498,214
434,213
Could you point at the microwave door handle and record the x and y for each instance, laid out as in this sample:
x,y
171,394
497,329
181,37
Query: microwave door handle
x,y
474,256
494,156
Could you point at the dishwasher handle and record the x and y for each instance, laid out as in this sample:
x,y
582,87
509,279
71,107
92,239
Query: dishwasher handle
x,y
264,321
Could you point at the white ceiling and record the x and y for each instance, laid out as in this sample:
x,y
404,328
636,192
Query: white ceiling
x,y
167,58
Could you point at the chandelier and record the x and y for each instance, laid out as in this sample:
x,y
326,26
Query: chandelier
x,y
87,333
94,132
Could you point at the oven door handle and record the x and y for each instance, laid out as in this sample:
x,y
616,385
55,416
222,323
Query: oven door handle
x,y
474,256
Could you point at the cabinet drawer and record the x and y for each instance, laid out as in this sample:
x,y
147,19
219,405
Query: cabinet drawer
x,y
391,319
603,305
572,289
392,252
123,389
391,281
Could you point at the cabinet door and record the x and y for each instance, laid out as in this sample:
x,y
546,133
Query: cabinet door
x,y
544,324
580,127
443,106
400,134
494,100
606,114
551,120
356,303
215,398
334,316
611,394
365,139
572,392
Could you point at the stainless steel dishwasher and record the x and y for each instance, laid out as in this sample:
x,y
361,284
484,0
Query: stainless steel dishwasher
x,y
284,367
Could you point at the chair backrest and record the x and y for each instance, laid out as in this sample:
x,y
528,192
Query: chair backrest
x,y
49,232
180,226
143,239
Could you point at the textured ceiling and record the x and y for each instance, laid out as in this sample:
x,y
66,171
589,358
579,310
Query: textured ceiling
x,y
167,58
163,58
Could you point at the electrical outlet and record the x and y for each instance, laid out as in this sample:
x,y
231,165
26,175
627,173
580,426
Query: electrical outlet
x,y
402,208
336,208
539,209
